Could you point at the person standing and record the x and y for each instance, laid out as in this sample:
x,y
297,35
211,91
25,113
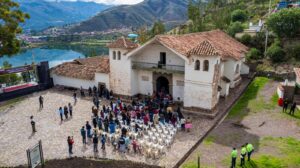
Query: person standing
x,y
32,124
83,134
75,97
285,105
41,100
70,109
90,91
250,150
66,112
88,129
94,122
70,144
82,92
103,141
243,155
95,142
233,157
293,107
61,113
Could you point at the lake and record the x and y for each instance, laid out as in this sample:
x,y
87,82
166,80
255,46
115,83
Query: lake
x,y
54,56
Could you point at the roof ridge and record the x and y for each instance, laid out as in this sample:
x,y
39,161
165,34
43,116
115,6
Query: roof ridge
x,y
205,46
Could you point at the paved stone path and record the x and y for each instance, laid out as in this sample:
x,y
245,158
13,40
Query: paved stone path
x,y
16,135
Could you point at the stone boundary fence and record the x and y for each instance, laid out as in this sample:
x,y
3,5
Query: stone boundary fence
x,y
277,76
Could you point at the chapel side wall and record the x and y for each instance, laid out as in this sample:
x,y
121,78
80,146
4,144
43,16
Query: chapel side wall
x,y
178,87
229,70
151,54
120,73
145,84
103,78
199,85
72,82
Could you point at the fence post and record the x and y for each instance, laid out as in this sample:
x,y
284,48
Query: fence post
x,y
198,161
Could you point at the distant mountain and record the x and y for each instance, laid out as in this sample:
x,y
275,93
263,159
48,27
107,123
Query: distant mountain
x,y
171,12
44,14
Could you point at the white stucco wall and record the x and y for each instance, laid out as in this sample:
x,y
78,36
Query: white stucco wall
x,y
151,54
103,78
225,88
145,82
178,89
72,82
245,69
229,70
198,84
197,95
201,76
120,73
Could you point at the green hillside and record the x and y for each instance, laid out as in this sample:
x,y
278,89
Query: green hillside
x,y
170,12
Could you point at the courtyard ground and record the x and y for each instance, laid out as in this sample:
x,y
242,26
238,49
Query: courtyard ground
x,y
256,119
16,136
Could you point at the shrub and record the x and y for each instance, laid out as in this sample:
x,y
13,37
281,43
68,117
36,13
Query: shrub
x,y
276,53
254,54
294,51
239,15
246,39
235,27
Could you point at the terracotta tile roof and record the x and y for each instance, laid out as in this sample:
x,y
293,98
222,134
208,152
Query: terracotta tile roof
x,y
83,68
297,72
216,41
205,48
123,43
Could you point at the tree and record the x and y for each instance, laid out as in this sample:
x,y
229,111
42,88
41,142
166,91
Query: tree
x,y
276,53
9,79
235,27
158,28
246,39
10,18
254,54
195,15
143,35
293,51
285,23
239,15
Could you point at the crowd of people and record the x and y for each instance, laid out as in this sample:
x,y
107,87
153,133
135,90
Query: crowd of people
x,y
146,125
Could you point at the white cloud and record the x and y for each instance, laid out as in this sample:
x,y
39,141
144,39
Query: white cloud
x,y
115,2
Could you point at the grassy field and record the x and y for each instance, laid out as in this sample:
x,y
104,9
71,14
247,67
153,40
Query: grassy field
x,y
273,152
249,99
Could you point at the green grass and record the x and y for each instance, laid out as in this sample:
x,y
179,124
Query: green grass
x,y
9,103
195,165
248,99
287,154
209,140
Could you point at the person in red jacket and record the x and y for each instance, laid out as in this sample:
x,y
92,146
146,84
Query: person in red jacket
x,y
70,144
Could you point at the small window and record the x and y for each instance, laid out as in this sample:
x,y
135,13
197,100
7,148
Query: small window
x,y
119,55
197,65
114,55
206,65
237,69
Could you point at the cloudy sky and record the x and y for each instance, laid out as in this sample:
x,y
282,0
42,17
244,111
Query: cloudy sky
x,y
116,2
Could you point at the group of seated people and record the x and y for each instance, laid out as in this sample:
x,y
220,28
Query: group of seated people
x,y
147,125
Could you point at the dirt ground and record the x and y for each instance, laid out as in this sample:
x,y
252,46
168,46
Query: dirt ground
x,y
88,163
263,120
